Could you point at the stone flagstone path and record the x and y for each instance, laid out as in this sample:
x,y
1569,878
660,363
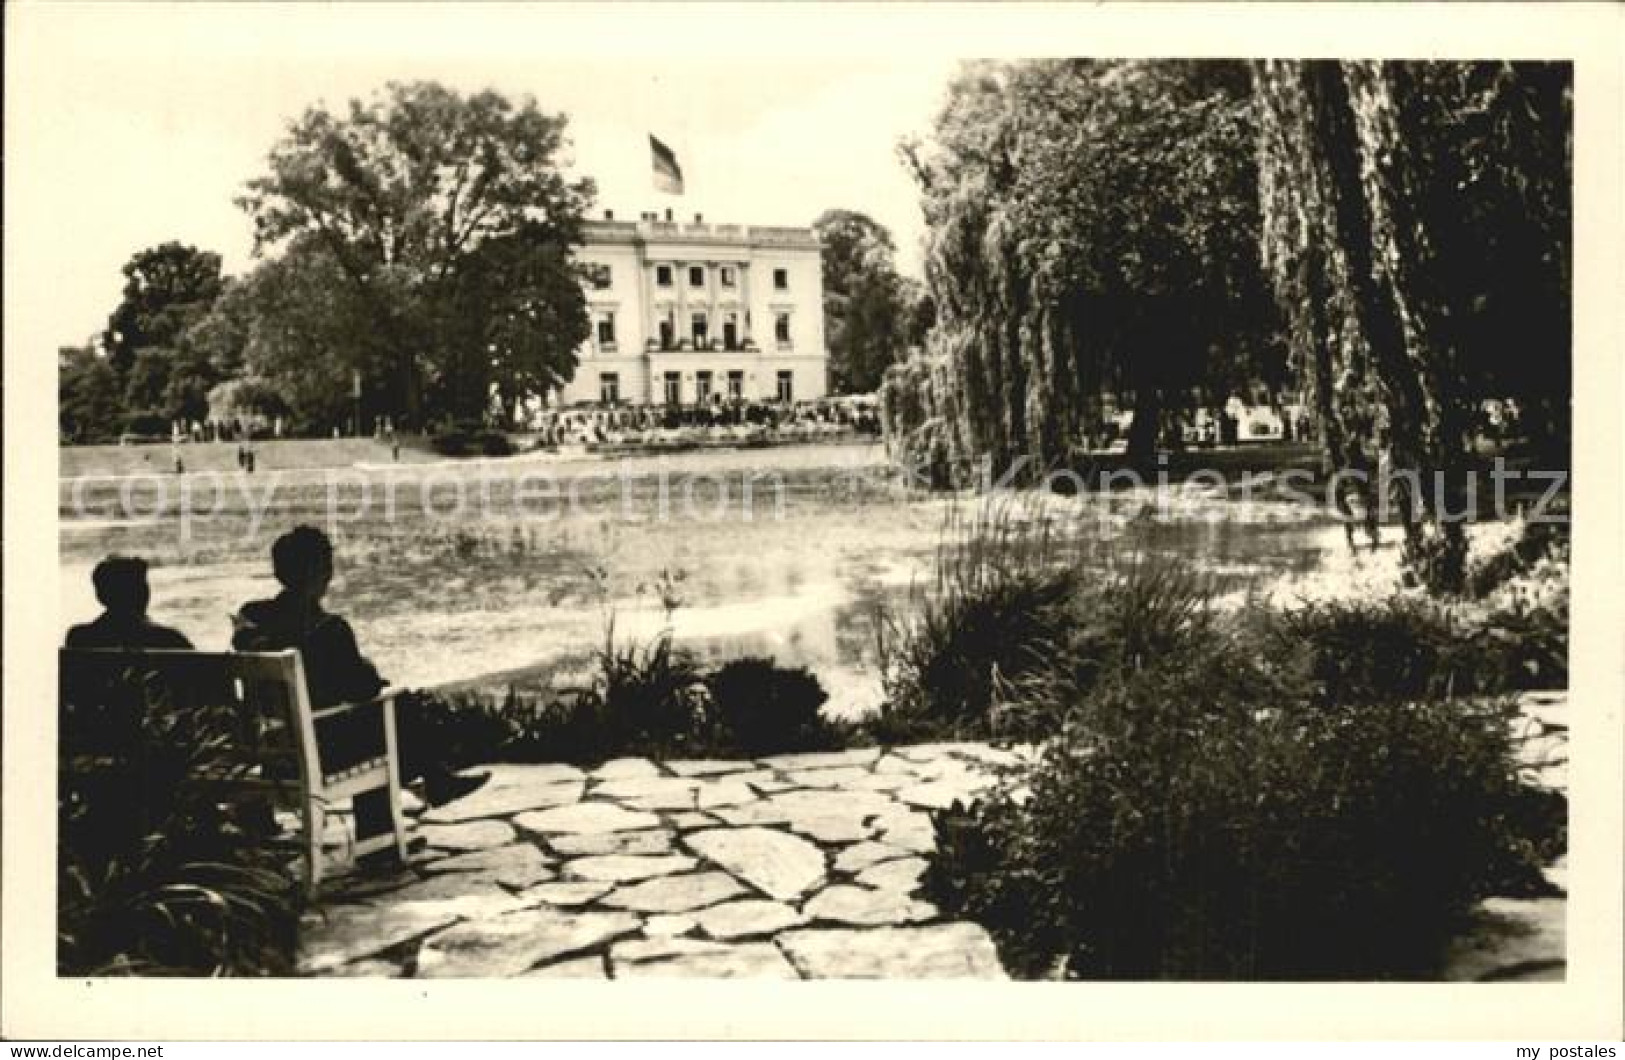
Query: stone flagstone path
x,y
795,866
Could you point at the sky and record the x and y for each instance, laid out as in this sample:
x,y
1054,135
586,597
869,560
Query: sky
x,y
140,124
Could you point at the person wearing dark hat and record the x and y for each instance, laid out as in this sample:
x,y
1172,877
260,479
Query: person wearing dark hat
x,y
336,672
121,587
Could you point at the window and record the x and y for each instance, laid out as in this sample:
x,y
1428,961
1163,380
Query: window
x,y
698,329
781,279
606,332
702,387
726,276
663,275
786,387
736,385
674,388
730,332
668,334
609,388
600,276
781,328
696,276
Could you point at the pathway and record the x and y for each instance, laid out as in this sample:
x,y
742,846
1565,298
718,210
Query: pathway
x,y
795,866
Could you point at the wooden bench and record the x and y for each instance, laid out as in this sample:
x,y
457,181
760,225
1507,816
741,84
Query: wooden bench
x,y
102,692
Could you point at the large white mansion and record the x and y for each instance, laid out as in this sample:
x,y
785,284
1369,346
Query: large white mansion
x,y
688,313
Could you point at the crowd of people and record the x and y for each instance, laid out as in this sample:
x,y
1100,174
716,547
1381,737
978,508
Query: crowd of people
x,y
620,424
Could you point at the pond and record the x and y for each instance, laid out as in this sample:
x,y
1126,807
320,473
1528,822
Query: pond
x,y
509,571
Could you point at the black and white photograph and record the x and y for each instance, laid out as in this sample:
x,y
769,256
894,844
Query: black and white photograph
x,y
743,508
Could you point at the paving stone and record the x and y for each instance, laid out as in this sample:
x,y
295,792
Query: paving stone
x,y
940,794
902,875
475,835
625,868
583,818
504,802
836,777
621,788
669,924
724,793
517,865
861,756
908,829
626,767
575,968
509,944
938,951
340,934
831,829
891,764
646,841
530,774
860,856
776,863
566,892
794,807
756,777
675,894
457,893
883,782
732,920
411,805
707,767
1511,939
630,951
750,960
862,905
368,969
928,752
687,822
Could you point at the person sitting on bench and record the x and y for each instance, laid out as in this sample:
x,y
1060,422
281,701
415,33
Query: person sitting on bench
x,y
121,586
336,672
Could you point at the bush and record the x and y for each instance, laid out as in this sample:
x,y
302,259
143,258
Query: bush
x,y
154,876
995,619
1209,817
471,439
761,708
1402,648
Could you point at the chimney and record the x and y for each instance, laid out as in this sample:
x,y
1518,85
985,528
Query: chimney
x,y
699,218
609,215
668,215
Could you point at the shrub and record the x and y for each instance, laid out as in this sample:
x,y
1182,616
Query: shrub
x,y
471,439
154,876
994,620
1208,817
1357,651
761,708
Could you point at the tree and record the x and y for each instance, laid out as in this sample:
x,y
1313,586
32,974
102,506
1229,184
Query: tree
x,y
166,289
866,305
1367,171
89,399
451,225
1091,231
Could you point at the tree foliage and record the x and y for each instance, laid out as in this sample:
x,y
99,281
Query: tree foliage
x,y
1375,180
449,221
1091,233
869,309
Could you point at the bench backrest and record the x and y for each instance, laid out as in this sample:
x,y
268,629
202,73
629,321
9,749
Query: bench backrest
x,y
103,693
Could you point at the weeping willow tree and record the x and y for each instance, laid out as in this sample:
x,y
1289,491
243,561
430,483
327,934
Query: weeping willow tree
x,y
1091,241
1360,165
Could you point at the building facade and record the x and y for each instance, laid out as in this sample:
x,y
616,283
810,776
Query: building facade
x,y
692,313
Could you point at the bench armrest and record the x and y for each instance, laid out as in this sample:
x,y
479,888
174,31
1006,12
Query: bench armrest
x,y
383,699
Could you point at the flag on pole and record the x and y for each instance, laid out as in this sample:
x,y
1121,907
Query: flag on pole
x,y
668,176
